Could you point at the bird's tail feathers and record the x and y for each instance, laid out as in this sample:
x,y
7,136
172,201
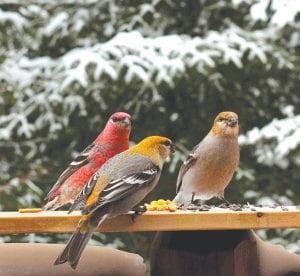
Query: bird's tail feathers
x,y
74,248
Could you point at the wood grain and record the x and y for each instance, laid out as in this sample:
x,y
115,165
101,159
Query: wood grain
x,y
61,222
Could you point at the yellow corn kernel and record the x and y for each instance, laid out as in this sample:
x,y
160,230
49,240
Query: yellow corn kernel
x,y
172,207
149,207
30,210
161,207
161,202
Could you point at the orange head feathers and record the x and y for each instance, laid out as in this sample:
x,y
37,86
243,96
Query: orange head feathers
x,y
226,124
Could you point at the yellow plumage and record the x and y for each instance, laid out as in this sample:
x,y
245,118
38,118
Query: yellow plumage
x,y
120,184
152,147
101,183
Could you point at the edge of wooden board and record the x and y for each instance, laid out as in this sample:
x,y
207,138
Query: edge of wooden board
x,y
61,222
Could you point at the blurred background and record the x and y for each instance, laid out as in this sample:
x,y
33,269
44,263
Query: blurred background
x,y
66,65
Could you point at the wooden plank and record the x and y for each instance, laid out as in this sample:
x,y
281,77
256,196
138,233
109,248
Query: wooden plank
x,y
61,222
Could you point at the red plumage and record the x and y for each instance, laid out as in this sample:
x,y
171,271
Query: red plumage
x,y
112,140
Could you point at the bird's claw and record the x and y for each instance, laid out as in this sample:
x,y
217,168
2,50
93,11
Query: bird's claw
x,y
138,211
193,198
226,201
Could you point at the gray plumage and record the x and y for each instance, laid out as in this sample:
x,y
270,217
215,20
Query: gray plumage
x,y
119,185
209,168
124,191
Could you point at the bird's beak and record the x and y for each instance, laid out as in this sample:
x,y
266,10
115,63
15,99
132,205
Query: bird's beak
x,y
232,122
126,121
172,148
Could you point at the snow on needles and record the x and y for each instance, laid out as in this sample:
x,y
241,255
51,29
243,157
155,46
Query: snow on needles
x,y
43,84
157,60
13,18
284,11
285,133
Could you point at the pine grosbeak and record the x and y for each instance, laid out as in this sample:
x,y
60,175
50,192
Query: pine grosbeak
x,y
113,139
209,168
119,185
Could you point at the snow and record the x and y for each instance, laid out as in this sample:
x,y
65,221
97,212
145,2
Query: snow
x,y
13,18
285,11
252,194
25,128
266,201
21,70
288,111
129,55
286,133
56,23
72,102
166,57
76,61
35,10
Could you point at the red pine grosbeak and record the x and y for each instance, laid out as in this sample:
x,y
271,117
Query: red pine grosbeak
x,y
113,139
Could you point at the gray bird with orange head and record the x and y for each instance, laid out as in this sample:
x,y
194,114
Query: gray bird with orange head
x,y
210,166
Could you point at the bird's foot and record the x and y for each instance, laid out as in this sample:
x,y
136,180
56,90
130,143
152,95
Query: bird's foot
x,y
226,201
199,207
138,211
193,198
229,205
196,201
181,206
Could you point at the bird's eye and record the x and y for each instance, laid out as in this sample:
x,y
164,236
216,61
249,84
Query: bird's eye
x,y
222,119
167,143
115,119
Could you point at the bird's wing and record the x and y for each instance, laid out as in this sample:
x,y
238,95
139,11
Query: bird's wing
x,y
124,186
81,198
189,162
81,160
